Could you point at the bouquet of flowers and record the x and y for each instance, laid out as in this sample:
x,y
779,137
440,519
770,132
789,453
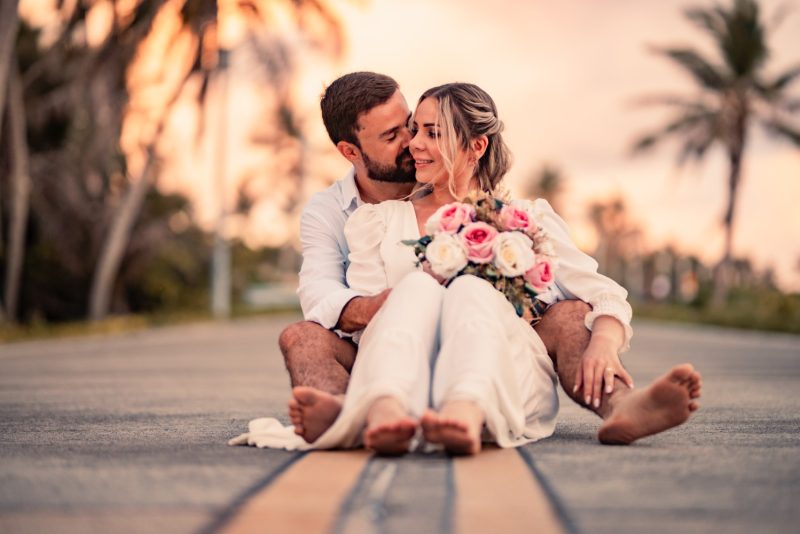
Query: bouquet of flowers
x,y
501,242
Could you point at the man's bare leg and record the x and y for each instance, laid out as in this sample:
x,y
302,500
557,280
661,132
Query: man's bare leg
x,y
668,401
319,364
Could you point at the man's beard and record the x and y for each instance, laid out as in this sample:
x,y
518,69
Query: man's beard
x,y
402,172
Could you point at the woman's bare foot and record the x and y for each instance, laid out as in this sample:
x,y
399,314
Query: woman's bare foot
x,y
389,427
664,404
313,411
457,426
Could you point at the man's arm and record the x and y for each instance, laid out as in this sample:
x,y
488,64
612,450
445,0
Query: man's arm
x,y
324,294
358,312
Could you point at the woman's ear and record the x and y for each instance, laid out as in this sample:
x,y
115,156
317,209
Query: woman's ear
x,y
350,151
478,146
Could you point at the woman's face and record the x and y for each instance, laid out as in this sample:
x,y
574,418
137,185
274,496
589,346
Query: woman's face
x,y
425,151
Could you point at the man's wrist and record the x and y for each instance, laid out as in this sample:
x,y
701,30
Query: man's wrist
x,y
351,318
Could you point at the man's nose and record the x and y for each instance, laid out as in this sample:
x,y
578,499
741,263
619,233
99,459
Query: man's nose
x,y
406,133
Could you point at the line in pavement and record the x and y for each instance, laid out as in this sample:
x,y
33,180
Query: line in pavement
x,y
567,521
306,498
227,515
493,495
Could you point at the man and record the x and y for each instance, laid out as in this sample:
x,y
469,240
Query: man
x,y
366,117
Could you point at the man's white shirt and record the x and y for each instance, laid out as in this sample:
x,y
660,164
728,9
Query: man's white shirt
x,y
323,288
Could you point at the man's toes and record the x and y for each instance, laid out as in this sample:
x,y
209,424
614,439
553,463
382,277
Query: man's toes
x,y
693,406
304,395
681,373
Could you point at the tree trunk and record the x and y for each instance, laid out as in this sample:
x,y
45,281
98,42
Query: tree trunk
x,y
20,193
722,274
116,242
9,22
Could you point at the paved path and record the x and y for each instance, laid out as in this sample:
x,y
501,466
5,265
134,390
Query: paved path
x,y
127,434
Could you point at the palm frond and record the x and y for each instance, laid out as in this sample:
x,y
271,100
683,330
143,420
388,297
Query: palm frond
x,y
674,101
703,71
738,34
683,123
785,79
781,128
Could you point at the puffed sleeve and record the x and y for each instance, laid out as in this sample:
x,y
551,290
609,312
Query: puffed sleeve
x,y
364,231
576,274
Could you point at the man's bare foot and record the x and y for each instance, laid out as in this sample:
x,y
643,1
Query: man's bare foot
x,y
664,404
313,411
457,426
389,427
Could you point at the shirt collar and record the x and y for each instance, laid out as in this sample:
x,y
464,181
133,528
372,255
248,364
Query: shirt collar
x,y
350,190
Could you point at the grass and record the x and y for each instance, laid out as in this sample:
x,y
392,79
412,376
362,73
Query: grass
x,y
775,316
122,324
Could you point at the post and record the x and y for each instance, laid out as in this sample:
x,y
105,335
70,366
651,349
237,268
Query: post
x,y
221,258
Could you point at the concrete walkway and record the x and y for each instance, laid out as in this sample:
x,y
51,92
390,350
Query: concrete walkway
x,y
127,434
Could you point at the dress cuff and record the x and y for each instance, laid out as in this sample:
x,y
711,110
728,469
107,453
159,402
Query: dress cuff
x,y
621,311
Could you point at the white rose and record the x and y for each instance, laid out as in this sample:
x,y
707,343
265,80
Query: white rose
x,y
446,255
513,253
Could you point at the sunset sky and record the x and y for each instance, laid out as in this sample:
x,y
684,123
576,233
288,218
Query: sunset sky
x,y
564,76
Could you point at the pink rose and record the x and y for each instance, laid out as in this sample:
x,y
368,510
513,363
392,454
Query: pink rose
x,y
512,218
540,276
449,218
478,238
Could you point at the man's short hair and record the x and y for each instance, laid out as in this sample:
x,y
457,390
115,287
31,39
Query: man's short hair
x,y
348,97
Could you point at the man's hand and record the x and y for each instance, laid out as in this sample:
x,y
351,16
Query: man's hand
x,y
357,313
600,362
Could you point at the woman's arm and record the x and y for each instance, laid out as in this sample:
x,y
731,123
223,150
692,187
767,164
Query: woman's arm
x,y
366,274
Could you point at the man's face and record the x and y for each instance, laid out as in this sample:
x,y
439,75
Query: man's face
x,y
383,135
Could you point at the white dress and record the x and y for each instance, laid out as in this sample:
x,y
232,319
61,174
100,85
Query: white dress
x,y
429,344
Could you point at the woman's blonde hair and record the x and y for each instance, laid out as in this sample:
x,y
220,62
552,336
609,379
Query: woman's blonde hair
x,y
465,111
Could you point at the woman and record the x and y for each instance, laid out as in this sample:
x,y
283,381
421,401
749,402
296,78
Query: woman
x,y
456,361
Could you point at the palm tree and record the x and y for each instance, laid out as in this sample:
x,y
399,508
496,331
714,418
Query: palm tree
x,y
547,183
86,203
735,93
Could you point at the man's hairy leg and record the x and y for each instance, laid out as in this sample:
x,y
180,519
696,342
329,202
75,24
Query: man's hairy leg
x,y
316,357
318,362
629,414
566,337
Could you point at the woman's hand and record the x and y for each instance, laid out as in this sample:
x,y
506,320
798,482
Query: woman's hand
x,y
600,363
426,267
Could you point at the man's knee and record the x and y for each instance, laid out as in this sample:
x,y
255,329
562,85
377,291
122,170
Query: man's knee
x,y
297,333
567,313
563,321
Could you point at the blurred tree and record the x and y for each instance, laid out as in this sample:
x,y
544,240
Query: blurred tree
x,y
619,239
547,183
8,32
88,200
735,92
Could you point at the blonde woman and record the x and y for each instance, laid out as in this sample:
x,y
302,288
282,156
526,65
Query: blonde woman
x,y
458,362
